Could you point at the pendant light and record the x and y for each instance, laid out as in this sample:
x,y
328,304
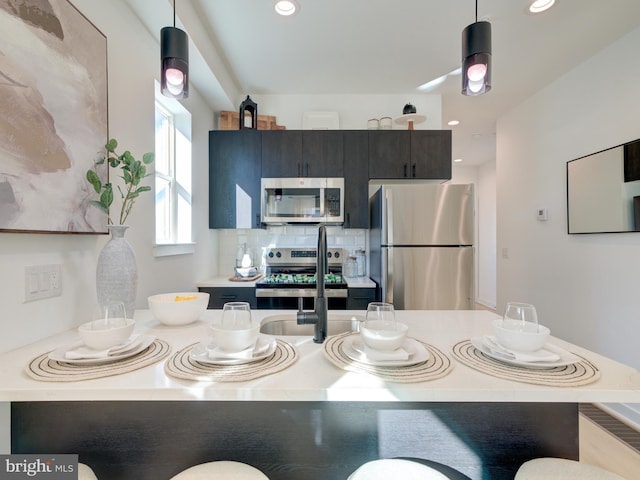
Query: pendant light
x,y
476,57
174,53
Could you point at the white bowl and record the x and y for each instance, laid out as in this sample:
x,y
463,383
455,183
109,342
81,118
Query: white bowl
x,y
235,340
99,336
179,308
376,334
529,338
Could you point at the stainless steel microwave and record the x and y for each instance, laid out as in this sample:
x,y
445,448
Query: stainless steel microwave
x,y
302,200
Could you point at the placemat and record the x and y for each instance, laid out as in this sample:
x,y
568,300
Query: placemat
x,y
576,374
180,365
44,369
438,365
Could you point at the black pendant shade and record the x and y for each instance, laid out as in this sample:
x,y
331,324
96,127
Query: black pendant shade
x,y
476,58
174,52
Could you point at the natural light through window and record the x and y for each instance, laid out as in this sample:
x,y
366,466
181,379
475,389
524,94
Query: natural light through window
x,y
172,177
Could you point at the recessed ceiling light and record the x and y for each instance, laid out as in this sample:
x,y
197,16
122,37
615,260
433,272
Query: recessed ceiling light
x,y
286,8
538,6
453,122
458,160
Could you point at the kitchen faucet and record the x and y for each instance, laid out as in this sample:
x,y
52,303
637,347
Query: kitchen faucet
x,y
319,316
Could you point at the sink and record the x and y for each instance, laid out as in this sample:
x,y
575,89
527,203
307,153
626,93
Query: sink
x,y
287,325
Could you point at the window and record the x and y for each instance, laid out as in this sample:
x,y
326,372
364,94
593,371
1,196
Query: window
x,y
172,176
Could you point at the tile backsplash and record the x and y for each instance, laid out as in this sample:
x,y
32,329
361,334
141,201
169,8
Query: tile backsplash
x,y
282,236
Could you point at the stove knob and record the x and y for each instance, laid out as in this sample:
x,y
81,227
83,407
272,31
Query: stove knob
x,y
278,254
270,254
329,254
337,254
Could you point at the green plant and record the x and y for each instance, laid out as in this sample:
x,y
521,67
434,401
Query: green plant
x,y
133,171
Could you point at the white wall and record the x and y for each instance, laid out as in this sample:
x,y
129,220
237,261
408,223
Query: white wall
x,y
585,287
133,64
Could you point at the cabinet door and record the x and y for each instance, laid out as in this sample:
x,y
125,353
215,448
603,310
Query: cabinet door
x,y
218,296
431,154
234,179
322,153
389,154
282,154
356,176
359,298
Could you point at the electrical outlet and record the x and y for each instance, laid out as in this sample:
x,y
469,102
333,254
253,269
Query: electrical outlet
x,y
42,281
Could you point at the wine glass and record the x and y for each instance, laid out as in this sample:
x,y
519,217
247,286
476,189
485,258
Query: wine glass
x,y
521,317
236,316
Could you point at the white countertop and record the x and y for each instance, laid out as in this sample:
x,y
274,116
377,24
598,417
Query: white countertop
x,y
222,281
313,377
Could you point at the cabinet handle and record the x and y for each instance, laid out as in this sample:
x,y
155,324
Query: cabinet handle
x,y
404,174
228,297
413,171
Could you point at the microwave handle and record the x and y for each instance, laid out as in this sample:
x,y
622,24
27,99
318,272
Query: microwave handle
x,y
323,200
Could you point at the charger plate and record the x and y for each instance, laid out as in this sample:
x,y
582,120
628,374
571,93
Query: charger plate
x,y
45,369
182,365
579,373
437,364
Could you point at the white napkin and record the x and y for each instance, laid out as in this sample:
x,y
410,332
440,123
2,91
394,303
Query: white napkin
x,y
541,355
377,355
83,352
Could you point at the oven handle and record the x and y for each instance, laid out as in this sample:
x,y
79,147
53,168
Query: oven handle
x,y
300,292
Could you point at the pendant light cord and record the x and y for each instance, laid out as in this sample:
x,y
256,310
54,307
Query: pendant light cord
x,y
174,12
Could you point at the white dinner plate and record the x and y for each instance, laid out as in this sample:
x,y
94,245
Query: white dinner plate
x,y
138,344
354,349
566,357
208,352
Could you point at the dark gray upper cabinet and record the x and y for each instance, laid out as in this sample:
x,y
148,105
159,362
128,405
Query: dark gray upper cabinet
x,y
431,154
418,154
298,153
281,153
356,179
322,153
234,179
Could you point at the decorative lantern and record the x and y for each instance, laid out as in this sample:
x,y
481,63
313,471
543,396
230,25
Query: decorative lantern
x,y
250,107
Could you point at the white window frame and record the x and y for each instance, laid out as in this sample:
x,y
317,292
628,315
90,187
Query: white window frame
x,y
179,119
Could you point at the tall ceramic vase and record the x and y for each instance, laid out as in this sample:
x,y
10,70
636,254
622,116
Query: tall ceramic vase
x,y
117,272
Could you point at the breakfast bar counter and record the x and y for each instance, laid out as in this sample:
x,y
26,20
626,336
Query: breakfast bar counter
x,y
309,412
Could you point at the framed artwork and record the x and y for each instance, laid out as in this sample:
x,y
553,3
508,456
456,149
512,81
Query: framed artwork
x,y
53,117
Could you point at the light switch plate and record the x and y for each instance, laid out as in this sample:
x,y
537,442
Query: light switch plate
x,y
42,281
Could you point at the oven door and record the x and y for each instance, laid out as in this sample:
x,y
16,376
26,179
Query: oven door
x,y
302,200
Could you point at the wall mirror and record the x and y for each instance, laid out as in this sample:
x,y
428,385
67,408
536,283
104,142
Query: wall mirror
x,y
603,191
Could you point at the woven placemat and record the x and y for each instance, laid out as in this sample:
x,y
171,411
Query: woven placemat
x,y
180,365
582,372
44,369
436,366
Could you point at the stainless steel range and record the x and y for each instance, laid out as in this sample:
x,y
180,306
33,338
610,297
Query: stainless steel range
x,y
290,279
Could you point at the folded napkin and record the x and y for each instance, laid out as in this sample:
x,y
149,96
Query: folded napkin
x,y
377,355
82,352
541,355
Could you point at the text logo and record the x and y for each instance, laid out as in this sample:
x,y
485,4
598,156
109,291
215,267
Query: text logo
x,y
50,467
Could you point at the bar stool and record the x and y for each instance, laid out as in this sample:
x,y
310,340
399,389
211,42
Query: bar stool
x,y
221,470
406,469
85,472
562,469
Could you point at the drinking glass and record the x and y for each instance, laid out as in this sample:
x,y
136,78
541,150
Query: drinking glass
x,y
109,315
236,316
383,312
521,317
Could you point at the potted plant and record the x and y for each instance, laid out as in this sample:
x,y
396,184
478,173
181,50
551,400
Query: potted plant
x,y
133,171
117,271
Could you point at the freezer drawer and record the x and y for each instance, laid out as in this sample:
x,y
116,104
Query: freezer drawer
x,y
428,278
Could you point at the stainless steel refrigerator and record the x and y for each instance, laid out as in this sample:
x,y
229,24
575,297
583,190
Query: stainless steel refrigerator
x,y
422,246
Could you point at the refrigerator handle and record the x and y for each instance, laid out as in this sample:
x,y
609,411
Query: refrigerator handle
x,y
387,218
322,200
387,272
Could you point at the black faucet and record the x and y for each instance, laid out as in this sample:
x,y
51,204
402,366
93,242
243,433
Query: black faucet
x,y
319,316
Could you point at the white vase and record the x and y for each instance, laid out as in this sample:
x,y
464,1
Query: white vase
x,y
117,272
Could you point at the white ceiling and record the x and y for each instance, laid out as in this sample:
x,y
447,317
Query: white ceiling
x,y
242,47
